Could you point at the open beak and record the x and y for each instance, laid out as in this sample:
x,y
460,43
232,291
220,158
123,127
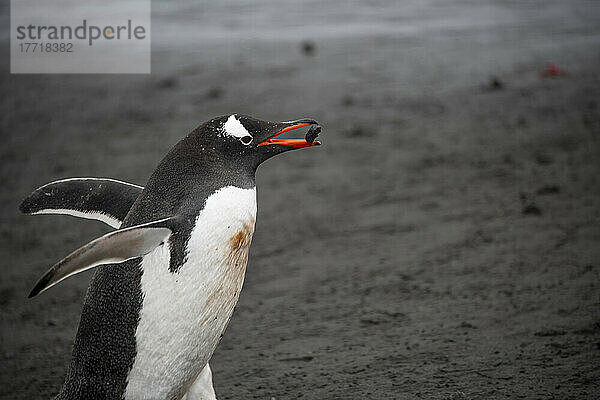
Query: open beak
x,y
290,126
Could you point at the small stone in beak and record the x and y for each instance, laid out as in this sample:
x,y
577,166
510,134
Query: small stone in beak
x,y
312,133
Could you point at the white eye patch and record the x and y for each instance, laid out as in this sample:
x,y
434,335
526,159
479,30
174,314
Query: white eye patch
x,y
233,127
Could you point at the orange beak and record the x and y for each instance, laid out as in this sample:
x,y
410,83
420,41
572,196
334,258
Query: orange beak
x,y
290,142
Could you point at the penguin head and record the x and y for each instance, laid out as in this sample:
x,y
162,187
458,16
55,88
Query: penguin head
x,y
250,141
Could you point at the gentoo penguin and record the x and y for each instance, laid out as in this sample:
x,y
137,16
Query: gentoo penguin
x,y
167,280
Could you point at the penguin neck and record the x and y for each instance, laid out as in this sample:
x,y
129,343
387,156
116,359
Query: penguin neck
x,y
203,168
185,178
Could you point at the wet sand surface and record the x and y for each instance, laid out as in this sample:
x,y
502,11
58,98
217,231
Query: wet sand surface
x,y
443,243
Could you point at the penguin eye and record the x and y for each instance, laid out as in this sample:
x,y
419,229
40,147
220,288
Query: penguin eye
x,y
246,139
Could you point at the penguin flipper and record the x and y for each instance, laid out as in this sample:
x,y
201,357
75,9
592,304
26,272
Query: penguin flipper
x,y
112,248
104,199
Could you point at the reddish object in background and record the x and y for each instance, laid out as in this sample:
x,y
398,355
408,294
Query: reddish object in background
x,y
552,70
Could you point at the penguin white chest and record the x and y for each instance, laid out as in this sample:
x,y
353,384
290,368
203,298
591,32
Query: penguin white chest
x,y
184,313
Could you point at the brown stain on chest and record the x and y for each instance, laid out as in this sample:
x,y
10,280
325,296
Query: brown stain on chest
x,y
238,248
230,280
240,242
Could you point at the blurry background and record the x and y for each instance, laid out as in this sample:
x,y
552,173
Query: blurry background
x,y
442,244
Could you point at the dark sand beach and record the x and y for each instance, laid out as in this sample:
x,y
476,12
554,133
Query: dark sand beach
x,y
443,243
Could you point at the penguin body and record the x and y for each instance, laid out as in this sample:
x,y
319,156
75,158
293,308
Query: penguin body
x,y
168,279
191,308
